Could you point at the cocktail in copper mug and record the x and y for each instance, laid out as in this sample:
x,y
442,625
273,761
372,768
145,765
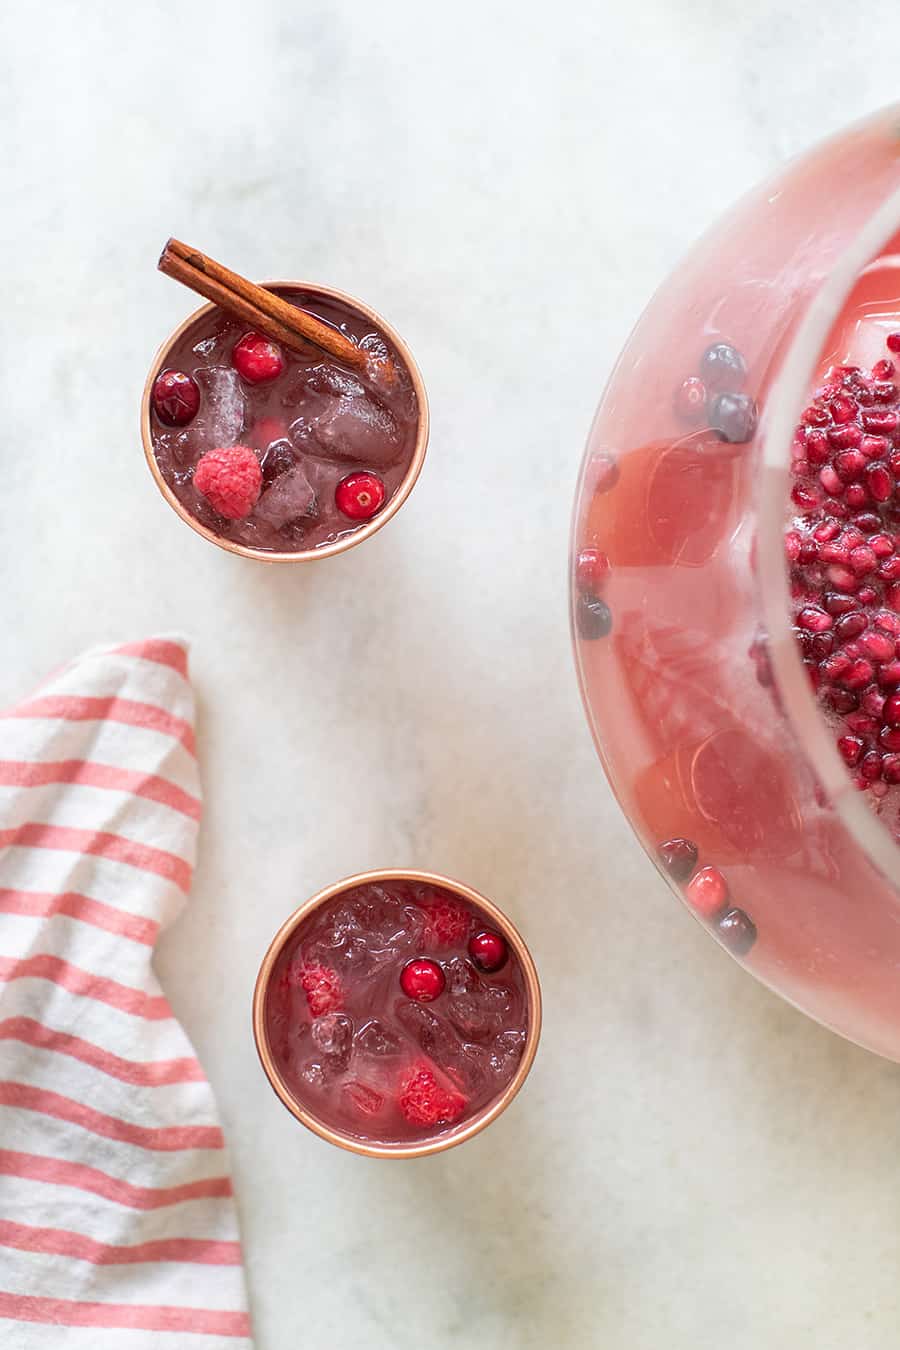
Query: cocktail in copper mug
x,y
397,1013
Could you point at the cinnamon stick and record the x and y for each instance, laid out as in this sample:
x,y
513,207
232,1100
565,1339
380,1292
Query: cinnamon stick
x,y
282,322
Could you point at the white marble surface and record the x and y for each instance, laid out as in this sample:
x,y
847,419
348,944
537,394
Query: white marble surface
x,y
693,1164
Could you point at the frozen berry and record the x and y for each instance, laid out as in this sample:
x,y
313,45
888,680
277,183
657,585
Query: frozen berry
x,y
424,1102
175,398
737,930
690,401
591,568
678,857
447,922
360,495
723,368
488,950
593,617
230,479
257,359
422,980
733,416
707,892
322,987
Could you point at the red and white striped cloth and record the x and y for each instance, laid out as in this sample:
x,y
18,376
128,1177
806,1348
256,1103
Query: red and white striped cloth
x,y
117,1223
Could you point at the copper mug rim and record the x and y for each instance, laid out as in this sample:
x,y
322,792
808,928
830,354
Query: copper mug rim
x,y
452,1137
356,536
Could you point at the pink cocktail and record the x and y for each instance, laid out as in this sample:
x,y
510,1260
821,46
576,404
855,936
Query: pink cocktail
x,y
397,1013
684,602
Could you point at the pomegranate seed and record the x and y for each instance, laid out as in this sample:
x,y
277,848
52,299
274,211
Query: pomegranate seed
x,y
872,702
814,620
808,552
831,481
861,724
679,857
870,767
882,545
885,391
851,747
422,980
707,892
863,560
488,951
890,738
866,595
860,674
816,446
738,931
843,578
690,401
256,359
836,552
828,530
877,646
360,496
836,666
890,768
806,496
845,438
723,367
889,674
832,507
879,481
838,604
891,713
893,342
892,597
889,623
874,447
175,398
851,625
591,568
820,644
816,416
890,568
856,496
867,521
883,370
843,408
849,464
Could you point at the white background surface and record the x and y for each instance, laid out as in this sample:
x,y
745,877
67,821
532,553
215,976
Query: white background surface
x,y
692,1163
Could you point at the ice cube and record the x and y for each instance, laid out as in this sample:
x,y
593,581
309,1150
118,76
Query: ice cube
x,y
220,419
332,1035
377,1040
290,497
431,1032
341,421
314,1075
475,1006
506,1051
205,347
364,1098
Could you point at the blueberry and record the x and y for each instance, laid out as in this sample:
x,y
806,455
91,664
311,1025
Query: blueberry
x,y
737,930
723,367
734,417
593,618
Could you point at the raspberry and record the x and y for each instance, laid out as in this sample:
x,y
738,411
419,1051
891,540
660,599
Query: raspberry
x,y
424,1102
447,921
230,480
322,988
256,359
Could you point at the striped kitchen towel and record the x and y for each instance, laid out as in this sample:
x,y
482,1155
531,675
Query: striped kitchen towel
x,y
117,1223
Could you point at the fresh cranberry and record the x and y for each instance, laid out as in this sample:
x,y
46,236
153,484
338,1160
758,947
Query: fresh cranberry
x,y
734,417
679,857
257,359
422,980
707,892
175,398
593,617
488,950
360,495
591,569
723,368
737,930
690,401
